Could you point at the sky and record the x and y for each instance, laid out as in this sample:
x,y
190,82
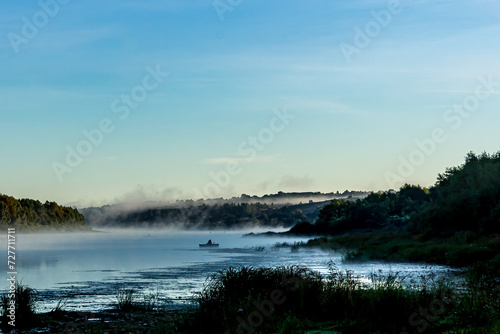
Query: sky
x,y
117,101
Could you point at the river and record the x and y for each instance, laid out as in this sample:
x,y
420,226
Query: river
x,y
85,271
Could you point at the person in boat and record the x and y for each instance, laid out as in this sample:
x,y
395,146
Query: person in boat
x,y
209,242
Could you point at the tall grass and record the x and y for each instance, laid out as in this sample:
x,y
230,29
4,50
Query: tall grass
x,y
237,293
126,300
130,300
239,300
295,299
25,307
481,305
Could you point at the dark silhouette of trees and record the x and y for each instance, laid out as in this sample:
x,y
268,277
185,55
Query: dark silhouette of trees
x,y
464,198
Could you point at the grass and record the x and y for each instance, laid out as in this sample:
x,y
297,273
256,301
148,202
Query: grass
x,y
463,249
25,307
59,308
259,248
295,299
240,300
125,300
129,300
237,293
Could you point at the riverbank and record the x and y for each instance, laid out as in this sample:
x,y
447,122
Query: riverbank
x,y
292,299
461,250
110,321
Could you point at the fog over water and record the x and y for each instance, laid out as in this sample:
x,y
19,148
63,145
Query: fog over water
x,y
86,270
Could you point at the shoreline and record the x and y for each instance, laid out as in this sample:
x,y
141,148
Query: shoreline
x,y
460,250
333,304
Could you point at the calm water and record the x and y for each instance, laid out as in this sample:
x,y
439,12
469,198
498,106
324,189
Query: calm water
x,y
86,270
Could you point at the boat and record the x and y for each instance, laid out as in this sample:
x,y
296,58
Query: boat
x,y
209,244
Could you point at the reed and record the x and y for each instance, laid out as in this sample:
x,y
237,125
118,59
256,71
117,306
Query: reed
x,y
25,307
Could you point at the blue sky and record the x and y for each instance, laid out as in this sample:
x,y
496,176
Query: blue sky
x,y
355,121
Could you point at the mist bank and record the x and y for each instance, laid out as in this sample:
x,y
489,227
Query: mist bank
x,y
281,210
31,215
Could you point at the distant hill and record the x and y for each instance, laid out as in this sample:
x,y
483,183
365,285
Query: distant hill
x,y
276,210
279,198
28,214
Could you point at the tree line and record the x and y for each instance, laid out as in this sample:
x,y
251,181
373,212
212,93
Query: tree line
x,y
32,214
464,198
217,216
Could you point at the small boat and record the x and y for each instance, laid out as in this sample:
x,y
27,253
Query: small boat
x,y
209,244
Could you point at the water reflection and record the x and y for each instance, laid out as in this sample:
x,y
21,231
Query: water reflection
x,y
87,270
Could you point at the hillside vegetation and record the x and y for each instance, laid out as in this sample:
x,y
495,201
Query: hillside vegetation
x,y
455,222
275,210
464,198
217,216
28,214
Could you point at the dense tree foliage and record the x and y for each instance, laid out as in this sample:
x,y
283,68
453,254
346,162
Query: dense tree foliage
x,y
31,214
376,211
281,196
464,198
